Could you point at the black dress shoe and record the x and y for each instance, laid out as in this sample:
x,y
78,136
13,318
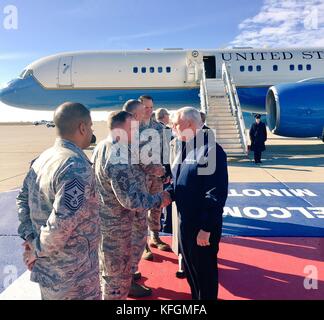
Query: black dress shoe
x,y
181,274
139,291
137,276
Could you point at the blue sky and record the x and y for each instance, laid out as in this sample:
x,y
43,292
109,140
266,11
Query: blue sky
x,y
50,26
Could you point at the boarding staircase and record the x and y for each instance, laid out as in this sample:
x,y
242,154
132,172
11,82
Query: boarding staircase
x,y
220,102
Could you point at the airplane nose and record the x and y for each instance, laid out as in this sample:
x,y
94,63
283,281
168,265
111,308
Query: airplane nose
x,y
1,95
6,93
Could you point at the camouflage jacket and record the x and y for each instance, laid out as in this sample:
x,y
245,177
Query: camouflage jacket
x,y
163,145
58,213
121,185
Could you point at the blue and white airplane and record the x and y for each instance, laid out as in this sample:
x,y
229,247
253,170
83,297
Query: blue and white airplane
x,y
286,84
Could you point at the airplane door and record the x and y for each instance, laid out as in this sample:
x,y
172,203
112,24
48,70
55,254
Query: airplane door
x,y
210,67
65,71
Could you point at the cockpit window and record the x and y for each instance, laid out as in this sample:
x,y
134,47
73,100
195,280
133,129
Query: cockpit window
x,y
22,74
25,73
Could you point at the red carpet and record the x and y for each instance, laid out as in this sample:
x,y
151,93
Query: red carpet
x,y
250,268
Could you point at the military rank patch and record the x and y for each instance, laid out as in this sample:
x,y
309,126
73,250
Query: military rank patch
x,y
123,181
74,195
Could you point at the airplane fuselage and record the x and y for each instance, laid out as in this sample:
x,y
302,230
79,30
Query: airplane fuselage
x,y
104,80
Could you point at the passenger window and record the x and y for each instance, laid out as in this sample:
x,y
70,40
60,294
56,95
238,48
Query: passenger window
x,y
292,67
309,67
258,68
250,68
152,69
160,69
300,67
275,68
242,68
168,69
135,70
143,70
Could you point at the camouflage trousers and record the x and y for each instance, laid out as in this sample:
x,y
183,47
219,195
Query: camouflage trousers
x,y
154,185
122,245
87,288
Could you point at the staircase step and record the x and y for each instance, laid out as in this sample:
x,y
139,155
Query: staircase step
x,y
214,90
218,102
231,145
227,133
223,124
216,105
212,106
217,97
227,128
221,119
224,129
216,109
229,141
236,154
220,124
222,95
228,138
215,113
220,113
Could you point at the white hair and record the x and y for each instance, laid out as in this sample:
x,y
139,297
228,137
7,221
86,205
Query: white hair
x,y
190,114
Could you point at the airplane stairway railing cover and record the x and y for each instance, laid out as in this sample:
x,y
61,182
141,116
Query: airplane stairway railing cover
x,y
203,93
220,102
235,104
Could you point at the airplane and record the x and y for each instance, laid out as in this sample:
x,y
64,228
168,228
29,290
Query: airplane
x,y
286,84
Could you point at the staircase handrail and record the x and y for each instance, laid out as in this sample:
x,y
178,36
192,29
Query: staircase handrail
x,y
203,92
234,102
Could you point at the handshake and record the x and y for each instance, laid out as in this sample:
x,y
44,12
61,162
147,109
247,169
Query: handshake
x,y
29,256
166,199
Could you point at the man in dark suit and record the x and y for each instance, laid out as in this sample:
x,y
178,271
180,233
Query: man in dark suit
x,y
200,188
258,137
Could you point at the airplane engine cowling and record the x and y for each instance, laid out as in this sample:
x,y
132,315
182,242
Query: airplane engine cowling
x,y
296,109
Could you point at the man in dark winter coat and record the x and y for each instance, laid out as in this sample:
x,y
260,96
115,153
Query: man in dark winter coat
x,y
200,189
258,136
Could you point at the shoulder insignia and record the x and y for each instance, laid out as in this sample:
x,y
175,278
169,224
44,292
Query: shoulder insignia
x,y
74,195
123,181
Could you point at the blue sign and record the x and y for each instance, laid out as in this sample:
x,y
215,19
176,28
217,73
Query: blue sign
x,y
275,210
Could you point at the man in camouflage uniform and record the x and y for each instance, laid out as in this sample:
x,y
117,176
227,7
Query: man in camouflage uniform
x,y
124,201
137,109
155,183
58,212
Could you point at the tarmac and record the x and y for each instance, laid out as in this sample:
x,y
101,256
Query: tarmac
x,y
287,163
286,159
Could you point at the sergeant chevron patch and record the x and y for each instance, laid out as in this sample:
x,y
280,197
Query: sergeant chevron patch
x,y
74,195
